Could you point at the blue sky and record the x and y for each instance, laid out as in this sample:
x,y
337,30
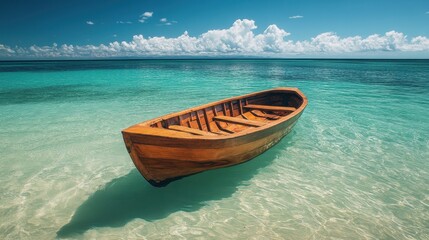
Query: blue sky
x,y
53,24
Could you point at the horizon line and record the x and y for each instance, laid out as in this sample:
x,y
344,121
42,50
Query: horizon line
x,y
199,58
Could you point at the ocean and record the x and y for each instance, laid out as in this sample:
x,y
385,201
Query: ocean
x,y
355,166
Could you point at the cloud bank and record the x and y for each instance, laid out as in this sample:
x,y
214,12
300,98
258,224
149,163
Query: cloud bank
x,y
238,40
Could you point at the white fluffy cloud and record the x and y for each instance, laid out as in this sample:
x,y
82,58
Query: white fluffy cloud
x,y
295,17
90,22
145,16
238,40
165,21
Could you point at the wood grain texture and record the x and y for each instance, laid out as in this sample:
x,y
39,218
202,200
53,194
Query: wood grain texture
x,y
270,108
240,121
190,130
210,136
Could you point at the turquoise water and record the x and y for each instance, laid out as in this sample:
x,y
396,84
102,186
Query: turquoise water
x,y
354,167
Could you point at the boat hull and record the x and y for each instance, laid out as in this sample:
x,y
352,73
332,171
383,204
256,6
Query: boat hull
x,y
163,159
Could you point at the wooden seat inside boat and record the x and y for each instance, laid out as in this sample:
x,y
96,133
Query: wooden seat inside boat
x,y
270,108
240,121
190,130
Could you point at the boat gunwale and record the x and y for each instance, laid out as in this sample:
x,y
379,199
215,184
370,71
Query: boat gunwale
x,y
147,123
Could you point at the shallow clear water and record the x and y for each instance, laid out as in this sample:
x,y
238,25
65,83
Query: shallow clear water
x,y
354,167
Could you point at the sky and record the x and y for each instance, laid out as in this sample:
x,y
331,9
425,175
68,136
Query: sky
x,y
52,29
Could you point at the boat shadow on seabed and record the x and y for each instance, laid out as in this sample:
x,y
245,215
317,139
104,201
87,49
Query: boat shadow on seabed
x,y
130,196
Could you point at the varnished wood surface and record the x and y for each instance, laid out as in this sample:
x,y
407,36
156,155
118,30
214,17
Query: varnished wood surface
x,y
214,135
265,115
190,130
270,108
241,121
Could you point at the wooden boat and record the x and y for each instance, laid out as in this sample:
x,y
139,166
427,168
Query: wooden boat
x,y
215,135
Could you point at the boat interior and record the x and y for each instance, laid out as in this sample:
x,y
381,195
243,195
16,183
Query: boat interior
x,y
233,115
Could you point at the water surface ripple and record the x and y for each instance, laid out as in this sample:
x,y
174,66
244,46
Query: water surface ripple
x,y
354,167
